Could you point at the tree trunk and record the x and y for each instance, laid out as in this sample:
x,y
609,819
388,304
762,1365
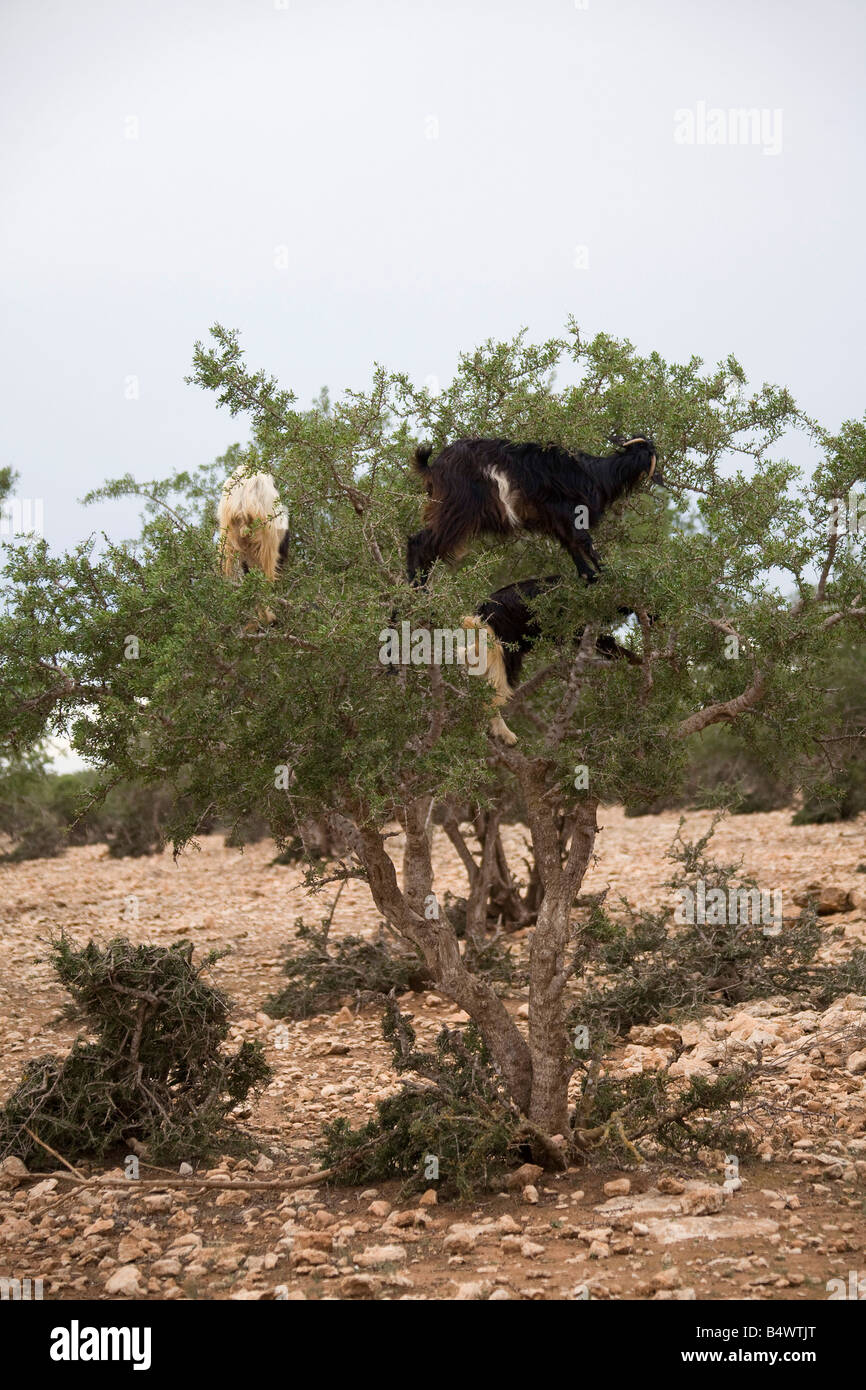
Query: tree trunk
x,y
536,1074
422,922
549,1043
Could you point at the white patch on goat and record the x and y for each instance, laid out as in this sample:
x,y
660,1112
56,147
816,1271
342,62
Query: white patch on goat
x,y
507,495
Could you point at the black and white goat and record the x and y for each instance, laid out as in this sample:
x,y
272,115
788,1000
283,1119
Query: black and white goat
x,y
509,619
496,487
253,524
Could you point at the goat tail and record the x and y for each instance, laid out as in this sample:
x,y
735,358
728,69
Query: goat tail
x,y
421,458
252,523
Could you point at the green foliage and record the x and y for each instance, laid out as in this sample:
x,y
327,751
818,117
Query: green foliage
x,y
213,708
322,975
457,1112
8,479
725,770
737,766
156,1071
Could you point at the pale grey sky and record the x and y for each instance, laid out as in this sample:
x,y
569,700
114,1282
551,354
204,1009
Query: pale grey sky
x,y
426,173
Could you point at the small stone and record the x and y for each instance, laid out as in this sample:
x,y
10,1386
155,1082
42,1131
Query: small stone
x,y
472,1292
619,1187
12,1172
381,1255
828,899
413,1217
530,1194
461,1238
125,1281
507,1225
161,1201
99,1228
231,1199
359,1285
309,1258
129,1250
313,1240
703,1201
428,1198
42,1189
856,1063
530,1249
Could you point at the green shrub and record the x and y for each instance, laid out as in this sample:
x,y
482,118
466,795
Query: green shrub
x,y
454,1125
647,968
322,975
614,1114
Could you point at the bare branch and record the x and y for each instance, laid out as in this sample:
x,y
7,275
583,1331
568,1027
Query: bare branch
x,y
725,711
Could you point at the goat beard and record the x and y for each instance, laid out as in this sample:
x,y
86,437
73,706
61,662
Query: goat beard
x,y
258,547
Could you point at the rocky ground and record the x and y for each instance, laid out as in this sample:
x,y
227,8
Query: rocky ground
x,y
782,1227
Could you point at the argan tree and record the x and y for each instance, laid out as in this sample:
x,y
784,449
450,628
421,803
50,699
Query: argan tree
x,y
159,669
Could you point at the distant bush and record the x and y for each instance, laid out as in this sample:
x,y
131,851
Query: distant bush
x,y
723,761
27,813
42,813
723,770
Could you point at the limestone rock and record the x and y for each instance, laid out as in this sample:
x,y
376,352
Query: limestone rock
x,y
125,1282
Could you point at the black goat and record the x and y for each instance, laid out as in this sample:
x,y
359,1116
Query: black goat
x,y
512,627
494,486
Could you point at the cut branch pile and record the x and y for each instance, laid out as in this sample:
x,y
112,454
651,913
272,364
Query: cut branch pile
x,y
155,1076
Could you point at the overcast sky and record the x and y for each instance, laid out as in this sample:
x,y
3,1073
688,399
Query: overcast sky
x,y
350,182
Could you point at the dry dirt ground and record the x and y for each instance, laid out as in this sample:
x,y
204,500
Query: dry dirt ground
x,y
796,1221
